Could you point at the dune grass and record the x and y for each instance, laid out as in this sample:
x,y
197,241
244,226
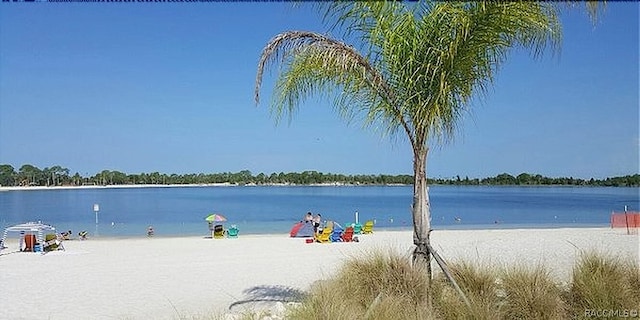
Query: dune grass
x,y
478,284
531,293
603,282
386,286
380,286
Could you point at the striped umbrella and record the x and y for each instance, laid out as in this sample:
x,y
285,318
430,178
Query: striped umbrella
x,y
215,217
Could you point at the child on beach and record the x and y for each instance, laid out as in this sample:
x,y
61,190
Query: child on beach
x,y
316,223
150,231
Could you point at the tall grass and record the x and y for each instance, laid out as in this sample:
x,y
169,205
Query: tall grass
x,y
478,284
385,286
603,282
380,286
531,293
632,271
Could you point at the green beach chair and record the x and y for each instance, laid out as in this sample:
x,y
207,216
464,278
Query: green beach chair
x,y
51,243
233,231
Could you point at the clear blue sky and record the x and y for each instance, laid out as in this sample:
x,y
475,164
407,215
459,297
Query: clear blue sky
x,y
169,88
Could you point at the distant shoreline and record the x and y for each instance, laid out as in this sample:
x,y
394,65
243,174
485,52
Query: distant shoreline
x,y
115,186
227,184
195,185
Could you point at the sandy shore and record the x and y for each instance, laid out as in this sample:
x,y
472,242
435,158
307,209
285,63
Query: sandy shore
x,y
115,186
187,185
170,278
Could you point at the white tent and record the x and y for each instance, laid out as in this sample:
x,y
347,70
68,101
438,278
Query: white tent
x,y
29,227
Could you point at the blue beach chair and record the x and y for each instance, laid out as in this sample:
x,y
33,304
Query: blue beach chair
x,y
336,234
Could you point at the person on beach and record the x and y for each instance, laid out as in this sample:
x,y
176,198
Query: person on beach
x,y
308,217
316,223
22,241
150,231
66,235
83,234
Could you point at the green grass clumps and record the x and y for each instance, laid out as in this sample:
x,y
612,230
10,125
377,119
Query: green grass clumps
x,y
479,286
632,271
386,286
531,293
380,286
510,293
602,282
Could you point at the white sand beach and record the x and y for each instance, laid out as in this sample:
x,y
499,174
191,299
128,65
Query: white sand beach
x,y
173,278
114,186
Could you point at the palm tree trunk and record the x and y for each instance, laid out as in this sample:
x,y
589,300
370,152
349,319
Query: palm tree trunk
x,y
421,210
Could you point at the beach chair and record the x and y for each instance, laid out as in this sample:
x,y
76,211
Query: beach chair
x,y
29,242
218,231
324,236
336,234
66,235
347,235
357,228
233,231
51,243
368,227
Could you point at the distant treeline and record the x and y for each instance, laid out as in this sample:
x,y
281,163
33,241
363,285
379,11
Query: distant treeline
x,y
29,175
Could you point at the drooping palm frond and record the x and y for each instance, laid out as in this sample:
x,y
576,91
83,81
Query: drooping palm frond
x,y
313,63
594,8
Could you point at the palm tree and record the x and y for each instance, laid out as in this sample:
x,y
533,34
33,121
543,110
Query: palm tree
x,y
419,66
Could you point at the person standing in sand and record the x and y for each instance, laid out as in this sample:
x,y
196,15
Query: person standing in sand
x,y
316,222
150,231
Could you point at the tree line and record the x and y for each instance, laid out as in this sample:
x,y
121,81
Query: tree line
x,y
29,175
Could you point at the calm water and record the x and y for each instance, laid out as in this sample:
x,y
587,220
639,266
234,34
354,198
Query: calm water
x,y
273,209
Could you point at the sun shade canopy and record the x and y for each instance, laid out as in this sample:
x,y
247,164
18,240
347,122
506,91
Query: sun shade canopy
x,y
29,227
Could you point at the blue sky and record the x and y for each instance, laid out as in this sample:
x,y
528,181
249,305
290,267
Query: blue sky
x,y
169,88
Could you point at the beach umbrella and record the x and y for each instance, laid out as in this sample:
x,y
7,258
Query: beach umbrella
x,y
215,217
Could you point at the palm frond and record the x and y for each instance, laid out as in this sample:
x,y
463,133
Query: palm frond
x,y
421,66
313,63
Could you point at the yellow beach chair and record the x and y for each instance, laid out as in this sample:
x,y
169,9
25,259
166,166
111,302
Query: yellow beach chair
x,y
325,236
368,227
218,231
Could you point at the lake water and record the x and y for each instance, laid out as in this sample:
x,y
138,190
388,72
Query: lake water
x,y
180,211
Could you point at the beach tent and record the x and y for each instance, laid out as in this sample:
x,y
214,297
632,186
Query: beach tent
x,y
36,228
302,229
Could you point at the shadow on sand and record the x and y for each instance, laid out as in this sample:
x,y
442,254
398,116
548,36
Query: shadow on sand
x,y
264,296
